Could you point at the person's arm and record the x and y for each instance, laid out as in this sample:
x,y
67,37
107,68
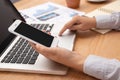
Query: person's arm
x,y
85,23
102,68
108,21
98,67
79,23
61,55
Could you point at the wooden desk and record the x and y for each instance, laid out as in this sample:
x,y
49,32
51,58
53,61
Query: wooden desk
x,y
88,42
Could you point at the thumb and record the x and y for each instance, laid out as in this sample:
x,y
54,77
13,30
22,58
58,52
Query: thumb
x,y
41,48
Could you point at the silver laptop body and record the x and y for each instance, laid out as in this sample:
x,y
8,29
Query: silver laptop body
x,y
17,55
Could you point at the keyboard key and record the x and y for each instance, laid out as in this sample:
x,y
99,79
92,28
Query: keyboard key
x,y
7,60
26,59
23,55
10,57
45,27
34,57
32,61
20,60
41,26
14,60
36,54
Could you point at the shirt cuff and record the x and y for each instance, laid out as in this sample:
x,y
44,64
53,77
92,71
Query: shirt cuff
x,y
102,68
94,66
108,21
104,22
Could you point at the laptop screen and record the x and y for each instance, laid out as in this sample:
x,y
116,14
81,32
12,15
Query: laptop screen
x,y
8,14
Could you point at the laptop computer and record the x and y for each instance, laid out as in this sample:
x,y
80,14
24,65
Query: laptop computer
x,y
17,55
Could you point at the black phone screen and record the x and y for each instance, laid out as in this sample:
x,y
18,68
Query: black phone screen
x,y
34,34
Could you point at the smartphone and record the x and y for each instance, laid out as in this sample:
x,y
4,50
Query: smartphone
x,y
32,34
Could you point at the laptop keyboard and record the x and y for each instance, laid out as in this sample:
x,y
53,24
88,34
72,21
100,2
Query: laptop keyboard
x,y
22,52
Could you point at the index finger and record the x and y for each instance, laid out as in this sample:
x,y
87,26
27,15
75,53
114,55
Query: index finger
x,y
63,30
67,26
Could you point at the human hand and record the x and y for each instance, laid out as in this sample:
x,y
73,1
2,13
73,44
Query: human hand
x,y
61,55
79,23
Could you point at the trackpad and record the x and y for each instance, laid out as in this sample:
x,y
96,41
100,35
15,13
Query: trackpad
x,y
67,40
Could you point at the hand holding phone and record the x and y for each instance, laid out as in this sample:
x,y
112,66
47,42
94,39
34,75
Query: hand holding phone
x,y
32,34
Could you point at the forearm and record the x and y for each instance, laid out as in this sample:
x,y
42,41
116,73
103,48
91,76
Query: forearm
x,y
108,21
75,60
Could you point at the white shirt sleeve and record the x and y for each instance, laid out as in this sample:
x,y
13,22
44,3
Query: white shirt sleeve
x,y
108,21
102,68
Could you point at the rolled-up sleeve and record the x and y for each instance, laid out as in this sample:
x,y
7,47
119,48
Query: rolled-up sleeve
x,y
102,68
108,21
